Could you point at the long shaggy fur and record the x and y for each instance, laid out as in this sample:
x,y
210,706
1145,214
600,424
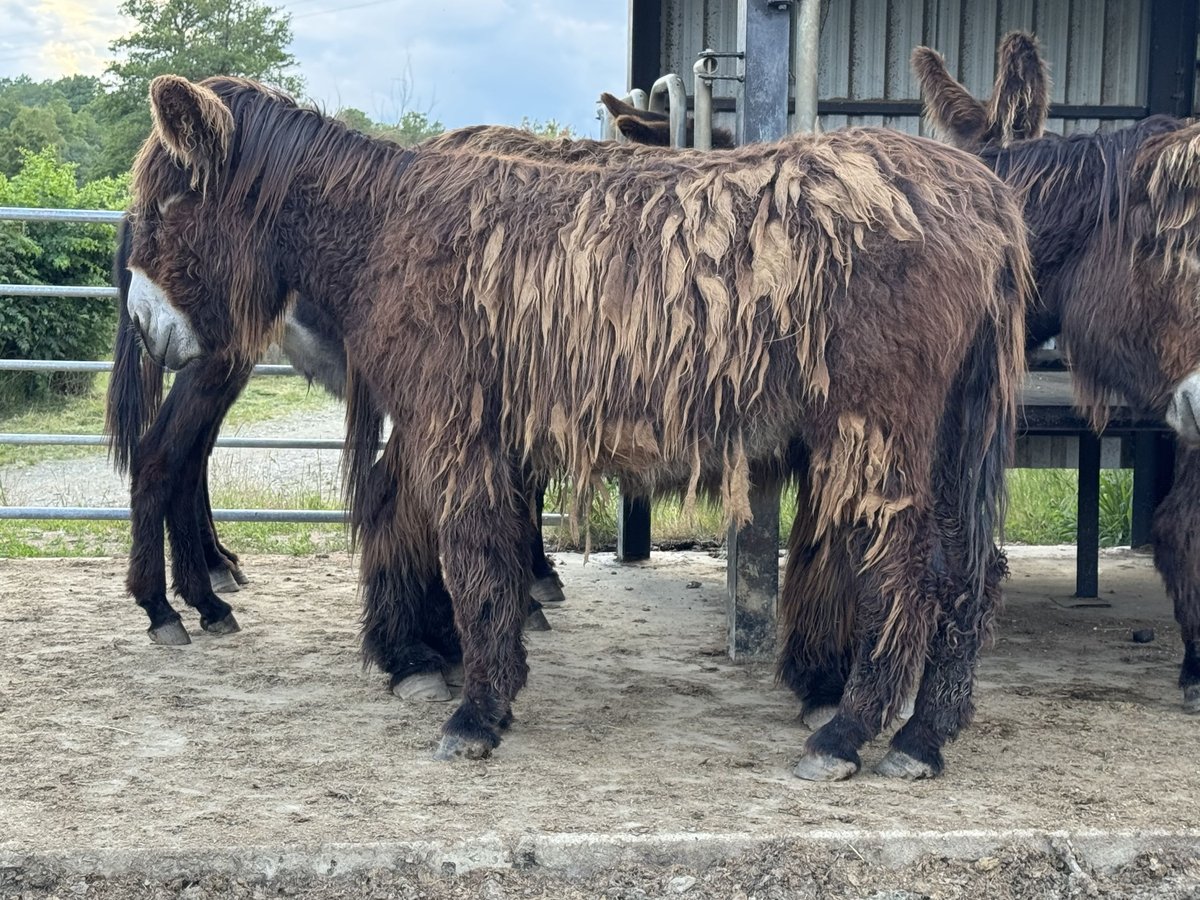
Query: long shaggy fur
x,y
677,316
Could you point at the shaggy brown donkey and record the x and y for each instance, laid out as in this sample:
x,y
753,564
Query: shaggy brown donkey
x,y
675,317
1115,225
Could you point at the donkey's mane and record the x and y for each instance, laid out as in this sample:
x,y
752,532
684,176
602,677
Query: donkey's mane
x,y
274,139
1082,181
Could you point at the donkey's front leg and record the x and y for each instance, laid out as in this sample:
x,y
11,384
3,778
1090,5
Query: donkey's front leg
x,y
486,569
1176,536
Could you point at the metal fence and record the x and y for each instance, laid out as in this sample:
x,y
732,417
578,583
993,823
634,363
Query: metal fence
x,y
94,216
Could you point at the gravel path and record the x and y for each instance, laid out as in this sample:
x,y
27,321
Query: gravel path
x,y
91,480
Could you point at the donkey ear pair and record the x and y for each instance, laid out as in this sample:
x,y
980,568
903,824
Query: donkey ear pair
x,y
192,123
1018,107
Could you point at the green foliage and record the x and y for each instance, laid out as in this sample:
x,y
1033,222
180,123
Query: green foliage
x,y
57,114
411,128
1042,506
550,129
195,39
53,253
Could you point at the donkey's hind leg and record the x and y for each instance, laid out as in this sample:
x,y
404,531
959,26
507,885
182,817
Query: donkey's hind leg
x,y
895,611
1176,537
189,568
546,587
486,567
945,703
816,612
224,571
407,621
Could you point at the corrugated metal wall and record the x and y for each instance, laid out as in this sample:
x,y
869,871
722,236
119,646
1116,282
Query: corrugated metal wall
x,y
1096,48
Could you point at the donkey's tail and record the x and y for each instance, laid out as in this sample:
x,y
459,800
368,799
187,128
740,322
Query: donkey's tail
x,y
981,427
135,389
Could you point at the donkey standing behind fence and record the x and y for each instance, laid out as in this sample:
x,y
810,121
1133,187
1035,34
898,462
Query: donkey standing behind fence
x,y
1113,235
681,315
1115,225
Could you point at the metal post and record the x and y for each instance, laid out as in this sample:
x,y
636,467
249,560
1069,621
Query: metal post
x,y
633,528
703,70
753,569
763,33
1087,529
669,95
805,63
752,576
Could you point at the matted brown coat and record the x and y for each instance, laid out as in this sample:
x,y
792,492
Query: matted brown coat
x,y
676,317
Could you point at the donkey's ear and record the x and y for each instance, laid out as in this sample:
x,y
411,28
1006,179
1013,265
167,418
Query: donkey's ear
x,y
958,116
722,139
617,107
1021,96
643,131
192,123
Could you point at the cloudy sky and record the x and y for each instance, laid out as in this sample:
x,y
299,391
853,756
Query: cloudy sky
x,y
464,62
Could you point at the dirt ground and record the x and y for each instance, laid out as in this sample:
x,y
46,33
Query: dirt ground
x,y
634,726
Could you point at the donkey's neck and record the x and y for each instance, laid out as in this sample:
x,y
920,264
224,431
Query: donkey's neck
x,y
327,225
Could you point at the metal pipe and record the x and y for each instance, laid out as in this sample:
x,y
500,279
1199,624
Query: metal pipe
x,y
703,70
675,92
805,62
56,290
75,365
90,216
119,514
22,439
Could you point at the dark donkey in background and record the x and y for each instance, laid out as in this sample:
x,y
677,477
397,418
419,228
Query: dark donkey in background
x,y
165,447
740,314
1115,225
1114,228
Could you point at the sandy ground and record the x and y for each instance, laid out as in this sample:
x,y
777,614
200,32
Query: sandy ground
x,y
633,723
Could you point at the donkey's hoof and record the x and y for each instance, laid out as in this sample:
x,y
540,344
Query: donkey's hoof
x,y
548,591
822,767
898,764
239,576
455,675
427,687
172,634
818,716
1191,698
223,581
452,746
227,625
537,621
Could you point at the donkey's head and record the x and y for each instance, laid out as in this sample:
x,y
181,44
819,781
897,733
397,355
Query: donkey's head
x,y
201,280
1017,109
641,126
1164,221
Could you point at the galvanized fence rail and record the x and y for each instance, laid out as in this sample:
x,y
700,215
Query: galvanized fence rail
x,y
109,217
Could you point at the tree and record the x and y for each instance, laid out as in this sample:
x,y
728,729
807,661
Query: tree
x,y
195,39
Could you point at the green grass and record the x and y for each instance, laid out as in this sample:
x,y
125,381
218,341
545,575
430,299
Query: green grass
x,y
264,398
1042,506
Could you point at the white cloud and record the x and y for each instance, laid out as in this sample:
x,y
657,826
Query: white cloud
x,y
465,62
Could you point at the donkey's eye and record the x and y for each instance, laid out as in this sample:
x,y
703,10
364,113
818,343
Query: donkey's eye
x,y
165,205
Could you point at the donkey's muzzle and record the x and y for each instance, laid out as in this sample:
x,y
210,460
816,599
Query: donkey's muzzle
x,y
166,332
1183,412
